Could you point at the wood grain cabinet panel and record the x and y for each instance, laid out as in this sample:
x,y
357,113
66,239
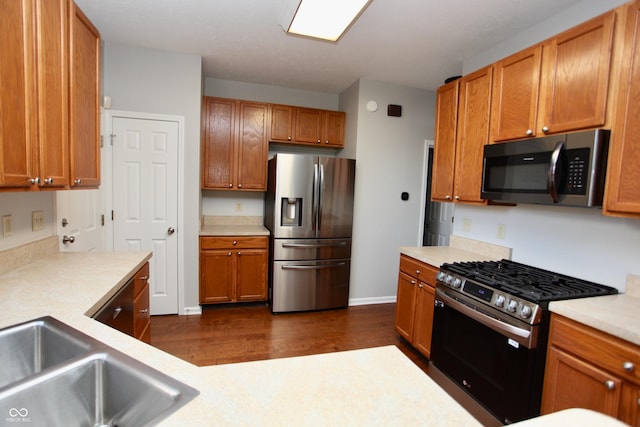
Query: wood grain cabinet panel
x,y
281,123
233,269
234,145
415,303
444,155
307,126
587,368
622,196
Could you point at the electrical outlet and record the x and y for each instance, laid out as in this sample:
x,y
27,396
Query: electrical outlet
x,y
466,224
7,225
37,220
238,206
501,231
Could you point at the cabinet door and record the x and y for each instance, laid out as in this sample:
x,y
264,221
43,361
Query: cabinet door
x,y
251,282
141,315
84,103
572,383
281,123
514,103
473,133
445,142
216,276
218,143
423,323
405,306
333,132
308,125
577,75
623,185
252,146
17,95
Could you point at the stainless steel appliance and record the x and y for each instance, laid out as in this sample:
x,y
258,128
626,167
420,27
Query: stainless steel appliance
x,y
490,329
566,169
309,211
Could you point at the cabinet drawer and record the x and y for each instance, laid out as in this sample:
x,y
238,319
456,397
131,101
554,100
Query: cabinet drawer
x,y
611,353
234,242
140,280
419,270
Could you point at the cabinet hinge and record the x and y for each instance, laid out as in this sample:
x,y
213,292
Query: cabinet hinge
x,y
102,220
112,136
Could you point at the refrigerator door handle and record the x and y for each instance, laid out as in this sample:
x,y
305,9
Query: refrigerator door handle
x,y
312,267
320,191
314,213
314,245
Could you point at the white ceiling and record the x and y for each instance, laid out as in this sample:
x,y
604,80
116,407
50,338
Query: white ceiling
x,y
416,43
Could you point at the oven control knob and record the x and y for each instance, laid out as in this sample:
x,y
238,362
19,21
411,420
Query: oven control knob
x,y
440,276
457,282
512,305
500,301
448,279
525,311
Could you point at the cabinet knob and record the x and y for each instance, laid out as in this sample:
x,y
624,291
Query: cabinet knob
x,y
35,180
457,197
48,181
326,141
229,253
448,197
417,271
319,141
529,132
545,129
143,277
288,138
77,181
144,310
235,242
628,366
239,185
610,384
230,185
239,253
413,282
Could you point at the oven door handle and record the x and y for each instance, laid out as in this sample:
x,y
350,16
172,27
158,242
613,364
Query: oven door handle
x,y
520,335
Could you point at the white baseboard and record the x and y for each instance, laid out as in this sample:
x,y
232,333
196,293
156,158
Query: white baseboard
x,y
374,300
192,310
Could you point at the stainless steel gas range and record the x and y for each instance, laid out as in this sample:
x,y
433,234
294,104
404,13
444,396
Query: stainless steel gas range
x,y
490,330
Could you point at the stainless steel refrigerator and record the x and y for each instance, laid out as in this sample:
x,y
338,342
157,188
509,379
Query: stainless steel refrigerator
x,y
309,211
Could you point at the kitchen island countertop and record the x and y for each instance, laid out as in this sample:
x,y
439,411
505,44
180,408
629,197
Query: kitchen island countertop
x,y
377,386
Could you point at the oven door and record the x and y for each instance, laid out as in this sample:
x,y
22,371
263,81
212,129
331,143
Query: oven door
x,y
493,367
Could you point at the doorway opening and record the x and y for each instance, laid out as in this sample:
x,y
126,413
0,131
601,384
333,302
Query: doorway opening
x,y
438,216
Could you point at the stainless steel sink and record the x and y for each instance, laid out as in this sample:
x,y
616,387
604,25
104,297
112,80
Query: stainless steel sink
x,y
30,347
88,384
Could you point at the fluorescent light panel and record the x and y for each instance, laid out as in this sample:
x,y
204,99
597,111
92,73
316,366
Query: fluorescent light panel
x,y
325,19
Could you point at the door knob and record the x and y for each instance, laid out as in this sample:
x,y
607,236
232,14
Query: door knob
x,y
171,230
68,239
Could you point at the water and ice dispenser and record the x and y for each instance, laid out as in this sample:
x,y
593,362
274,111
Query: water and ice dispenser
x,y
291,211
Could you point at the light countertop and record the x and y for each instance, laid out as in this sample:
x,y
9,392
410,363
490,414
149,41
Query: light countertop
x,y
378,386
460,249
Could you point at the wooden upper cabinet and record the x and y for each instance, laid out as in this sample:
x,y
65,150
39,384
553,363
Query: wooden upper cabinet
x,y
516,87
84,101
234,145
576,69
333,131
474,108
445,142
18,145
281,123
622,196
52,67
319,127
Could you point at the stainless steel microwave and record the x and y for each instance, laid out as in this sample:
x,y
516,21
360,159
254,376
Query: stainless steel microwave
x,y
565,169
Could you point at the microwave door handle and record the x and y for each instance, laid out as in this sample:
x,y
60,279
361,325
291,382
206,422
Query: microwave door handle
x,y
551,175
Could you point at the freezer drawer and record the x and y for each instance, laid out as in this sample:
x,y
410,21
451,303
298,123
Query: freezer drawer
x,y
311,249
310,285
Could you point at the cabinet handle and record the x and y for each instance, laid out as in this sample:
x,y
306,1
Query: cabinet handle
x,y
628,366
420,285
230,185
288,138
143,277
610,384
48,181
144,310
545,129
229,254
319,141
448,197
239,185
457,197
239,253
326,141
529,132
417,271
35,180
77,181
235,242
413,282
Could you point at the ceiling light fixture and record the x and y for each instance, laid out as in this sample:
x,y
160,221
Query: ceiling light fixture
x,y
322,19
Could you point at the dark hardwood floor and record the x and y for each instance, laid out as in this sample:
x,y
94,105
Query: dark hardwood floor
x,y
230,334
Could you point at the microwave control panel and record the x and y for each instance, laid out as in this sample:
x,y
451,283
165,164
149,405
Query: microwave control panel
x,y
577,171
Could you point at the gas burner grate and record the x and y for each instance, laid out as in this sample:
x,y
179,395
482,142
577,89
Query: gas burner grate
x,y
527,282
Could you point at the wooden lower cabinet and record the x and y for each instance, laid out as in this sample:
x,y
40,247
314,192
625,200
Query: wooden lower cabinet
x,y
587,368
141,305
414,305
233,269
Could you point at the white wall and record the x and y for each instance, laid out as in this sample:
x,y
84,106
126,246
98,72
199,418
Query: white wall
x,y
390,160
20,206
153,81
575,241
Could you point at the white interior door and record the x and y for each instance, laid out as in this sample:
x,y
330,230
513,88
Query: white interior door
x,y
440,223
145,201
79,217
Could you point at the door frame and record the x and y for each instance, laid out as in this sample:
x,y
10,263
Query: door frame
x,y
107,180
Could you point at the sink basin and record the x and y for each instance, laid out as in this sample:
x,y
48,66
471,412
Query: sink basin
x,y
31,347
61,377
